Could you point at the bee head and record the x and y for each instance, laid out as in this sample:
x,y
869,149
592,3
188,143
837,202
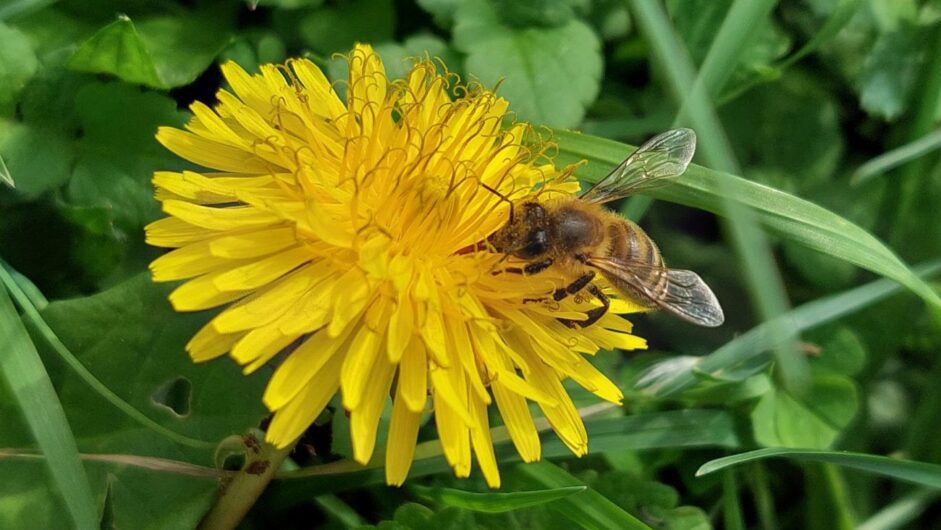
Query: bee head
x,y
525,236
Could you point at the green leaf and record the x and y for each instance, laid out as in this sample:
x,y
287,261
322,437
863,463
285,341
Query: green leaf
x,y
494,502
161,52
29,383
398,58
34,175
814,420
904,470
534,12
588,509
18,63
183,46
657,502
784,214
336,29
889,73
142,352
119,152
118,49
533,63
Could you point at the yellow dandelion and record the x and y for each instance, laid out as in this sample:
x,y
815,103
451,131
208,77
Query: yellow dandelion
x,y
349,237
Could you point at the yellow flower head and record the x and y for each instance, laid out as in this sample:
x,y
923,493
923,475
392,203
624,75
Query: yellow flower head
x,y
350,238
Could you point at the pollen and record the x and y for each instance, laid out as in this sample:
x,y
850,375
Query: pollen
x,y
345,240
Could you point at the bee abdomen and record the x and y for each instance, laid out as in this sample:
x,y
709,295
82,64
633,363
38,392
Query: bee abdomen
x,y
630,244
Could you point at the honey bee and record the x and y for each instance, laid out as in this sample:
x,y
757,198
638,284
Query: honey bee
x,y
581,239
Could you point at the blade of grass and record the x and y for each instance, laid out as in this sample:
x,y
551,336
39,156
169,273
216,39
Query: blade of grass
x,y
765,287
784,214
759,340
588,509
904,470
902,512
5,176
29,383
494,502
764,500
914,177
896,157
731,507
26,303
339,510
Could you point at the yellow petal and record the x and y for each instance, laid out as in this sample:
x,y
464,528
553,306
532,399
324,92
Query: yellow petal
x,y
264,271
413,376
364,419
295,417
519,422
363,355
401,440
301,365
482,444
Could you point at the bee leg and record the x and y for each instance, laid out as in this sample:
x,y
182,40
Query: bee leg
x,y
593,315
530,268
574,287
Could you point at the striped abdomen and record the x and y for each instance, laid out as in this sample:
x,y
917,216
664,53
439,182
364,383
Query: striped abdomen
x,y
629,244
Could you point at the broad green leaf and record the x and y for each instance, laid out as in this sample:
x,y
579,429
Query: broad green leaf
x,y
18,63
588,509
656,502
668,378
398,58
160,52
118,49
813,420
786,215
183,46
889,73
549,13
904,470
118,152
841,350
26,377
141,353
34,175
533,63
441,10
494,502
335,29
127,496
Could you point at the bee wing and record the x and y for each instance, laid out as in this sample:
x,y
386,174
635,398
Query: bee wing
x,y
680,292
661,158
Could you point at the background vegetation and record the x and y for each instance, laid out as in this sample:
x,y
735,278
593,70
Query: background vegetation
x,y
831,341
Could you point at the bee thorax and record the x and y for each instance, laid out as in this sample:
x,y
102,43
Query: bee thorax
x,y
576,229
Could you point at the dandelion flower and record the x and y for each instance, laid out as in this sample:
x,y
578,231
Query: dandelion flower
x,y
344,239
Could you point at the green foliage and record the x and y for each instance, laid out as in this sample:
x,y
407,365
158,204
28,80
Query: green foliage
x,y
823,113
531,62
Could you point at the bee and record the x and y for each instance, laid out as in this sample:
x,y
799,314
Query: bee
x,y
582,239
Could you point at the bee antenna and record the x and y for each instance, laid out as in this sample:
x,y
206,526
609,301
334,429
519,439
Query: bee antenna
x,y
501,196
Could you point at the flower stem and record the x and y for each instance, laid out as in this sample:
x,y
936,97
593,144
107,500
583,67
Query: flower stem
x,y
238,495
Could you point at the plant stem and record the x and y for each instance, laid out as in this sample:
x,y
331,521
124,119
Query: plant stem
x,y
236,497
